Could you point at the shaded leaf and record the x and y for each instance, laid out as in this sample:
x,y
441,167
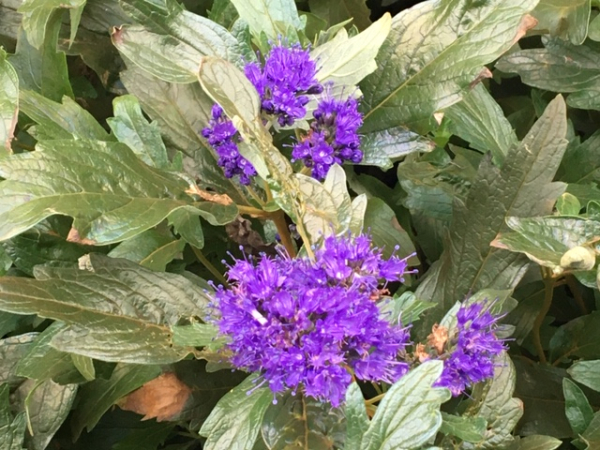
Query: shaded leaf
x,y
271,17
121,197
580,164
236,419
579,337
336,11
99,395
591,436
421,66
9,103
115,310
536,442
11,429
150,249
566,19
469,429
409,415
577,408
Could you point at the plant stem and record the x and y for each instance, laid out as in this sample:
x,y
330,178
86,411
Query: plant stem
x,y
255,195
548,294
284,232
212,269
374,399
251,211
572,283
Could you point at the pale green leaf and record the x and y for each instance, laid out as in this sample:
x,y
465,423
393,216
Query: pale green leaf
x,y
235,422
12,350
567,19
586,373
9,103
12,429
422,66
197,335
409,414
469,429
357,421
336,11
272,17
85,366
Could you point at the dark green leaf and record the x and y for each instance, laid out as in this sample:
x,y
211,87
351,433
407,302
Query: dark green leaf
x,y
479,120
579,337
187,225
11,430
560,67
272,17
115,309
235,421
357,421
566,19
470,429
9,103
409,414
421,66
522,187
586,373
145,439
535,442
382,148
110,193
99,395
577,408
12,350
150,249
335,11
580,164
131,127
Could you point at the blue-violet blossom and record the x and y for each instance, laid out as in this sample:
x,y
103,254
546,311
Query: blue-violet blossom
x,y
477,345
333,137
311,324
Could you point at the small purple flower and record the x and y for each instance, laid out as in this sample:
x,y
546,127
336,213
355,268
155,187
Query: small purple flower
x,y
223,137
284,81
311,325
333,137
477,346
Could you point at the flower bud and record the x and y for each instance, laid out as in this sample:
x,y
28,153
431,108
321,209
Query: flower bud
x,y
578,258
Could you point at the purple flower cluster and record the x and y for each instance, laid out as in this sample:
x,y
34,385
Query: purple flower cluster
x,y
288,74
223,137
312,325
472,360
333,137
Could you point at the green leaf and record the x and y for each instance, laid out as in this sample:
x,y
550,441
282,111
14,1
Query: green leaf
x,y
479,120
235,421
61,121
580,164
11,430
406,308
382,148
577,408
579,337
345,61
85,366
197,335
494,402
409,414
9,103
131,127
115,310
521,187
187,225
12,350
150,249
386,232
96,397
586,373
421,66
272,17
536,442
357,421
546,239
560,67
336,11
46,406
146,439
591,437
469,429
38,13
568,205
43,70
110,193
566,19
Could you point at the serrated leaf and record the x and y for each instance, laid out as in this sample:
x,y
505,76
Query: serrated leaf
x,y
236,419
43,70
577,408
522,187
494,402
560,67
9,103
586,373
271,17
37,14
11,430
336,11
566,19
99,395
422,68
345,61
357,421
60,121
469,429
149,249
382,148
115,310
409,414
119,199
131,127
479,120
